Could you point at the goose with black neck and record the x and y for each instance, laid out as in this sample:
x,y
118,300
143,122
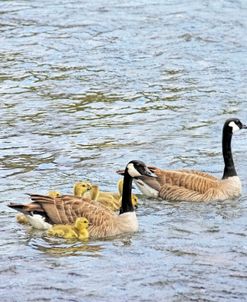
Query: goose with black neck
x,y
193,185
45,211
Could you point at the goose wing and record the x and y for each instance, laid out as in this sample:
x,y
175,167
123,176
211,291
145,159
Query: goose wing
x,y
176,193
196,181
193,180
200,173
65,210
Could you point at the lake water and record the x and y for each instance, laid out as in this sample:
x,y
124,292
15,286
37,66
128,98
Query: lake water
x,y
86,86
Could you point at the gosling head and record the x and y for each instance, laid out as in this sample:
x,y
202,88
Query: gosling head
x,y
136,168
81,187
134,200
234,124
81,223
54,194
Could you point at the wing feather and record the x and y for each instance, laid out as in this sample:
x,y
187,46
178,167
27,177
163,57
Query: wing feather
x,y
196,181
65,209
175,193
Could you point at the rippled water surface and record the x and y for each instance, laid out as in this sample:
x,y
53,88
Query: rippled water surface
x,y
86,86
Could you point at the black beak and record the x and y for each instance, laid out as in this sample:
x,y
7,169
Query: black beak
x,y
147,172
244,126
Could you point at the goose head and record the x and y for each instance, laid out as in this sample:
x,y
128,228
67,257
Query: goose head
x,y
137,168
134,200
134,168
231,126
234,124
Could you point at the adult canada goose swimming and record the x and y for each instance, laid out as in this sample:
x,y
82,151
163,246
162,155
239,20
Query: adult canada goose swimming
x,y
111,200
45,211
191,185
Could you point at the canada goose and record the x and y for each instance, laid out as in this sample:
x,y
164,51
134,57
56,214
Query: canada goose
x,y
79,189
111,200
46,211
191,185
78,230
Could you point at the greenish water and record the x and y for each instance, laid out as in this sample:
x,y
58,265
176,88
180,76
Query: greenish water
x,y
84,88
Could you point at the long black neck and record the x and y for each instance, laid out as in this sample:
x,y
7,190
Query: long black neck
x,y
229,169
127,205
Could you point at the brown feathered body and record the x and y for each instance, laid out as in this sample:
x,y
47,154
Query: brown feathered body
x,y
188,185
191,185
65,210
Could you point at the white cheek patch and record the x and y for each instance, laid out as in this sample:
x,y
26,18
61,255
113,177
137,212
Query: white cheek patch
x,y
132,171
234,126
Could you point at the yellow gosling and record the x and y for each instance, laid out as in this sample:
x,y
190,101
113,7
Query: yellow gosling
x,y
81,227
80,188
63,231
21,218
111,200
79,230
54,194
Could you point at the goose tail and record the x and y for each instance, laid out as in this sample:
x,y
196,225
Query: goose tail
x,y
24,208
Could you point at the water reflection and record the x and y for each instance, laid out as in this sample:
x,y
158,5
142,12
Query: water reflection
x,y
71,249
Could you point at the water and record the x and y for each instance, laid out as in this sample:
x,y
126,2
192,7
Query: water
x,y
86,87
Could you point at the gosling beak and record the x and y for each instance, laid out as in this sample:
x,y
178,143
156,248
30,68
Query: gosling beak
x,y
136,206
